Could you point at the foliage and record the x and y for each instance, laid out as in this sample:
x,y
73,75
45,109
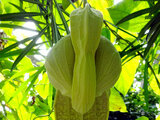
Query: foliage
x,y
135,102
133,27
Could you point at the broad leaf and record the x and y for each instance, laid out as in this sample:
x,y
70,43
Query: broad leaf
x,y
125,8
116,102
142,118
127,75
42,86
158,118
102,5
153,84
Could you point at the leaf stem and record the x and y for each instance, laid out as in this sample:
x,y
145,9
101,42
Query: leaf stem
x,y
72,4
52,28
84,3
119,28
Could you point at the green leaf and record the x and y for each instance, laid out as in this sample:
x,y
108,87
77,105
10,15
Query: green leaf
x,y
7,8
7,74
42,86
65,4
65,12
15,114
155,8
25,64
33,79
34,2
72,4
153,28
128,58
28,48
15,53
158,118
105,32
153,83
55,30
25,83
134,15
8,94
125,8
15,26
23,71
101,5
127,75
142,118
62,18
156,77
19,8
7,49
119,28
151,41
145,85
146,27
51,93
15,16
2,83
131,51
24,20
10,116
42,7
5,64
159,69
116,102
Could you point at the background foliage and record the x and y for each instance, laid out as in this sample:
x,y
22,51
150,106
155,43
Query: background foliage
x,y
132,26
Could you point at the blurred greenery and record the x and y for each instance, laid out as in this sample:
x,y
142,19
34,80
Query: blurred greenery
x,y
132,26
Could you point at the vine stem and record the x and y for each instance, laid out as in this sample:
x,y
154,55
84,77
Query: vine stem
x,y
84,2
